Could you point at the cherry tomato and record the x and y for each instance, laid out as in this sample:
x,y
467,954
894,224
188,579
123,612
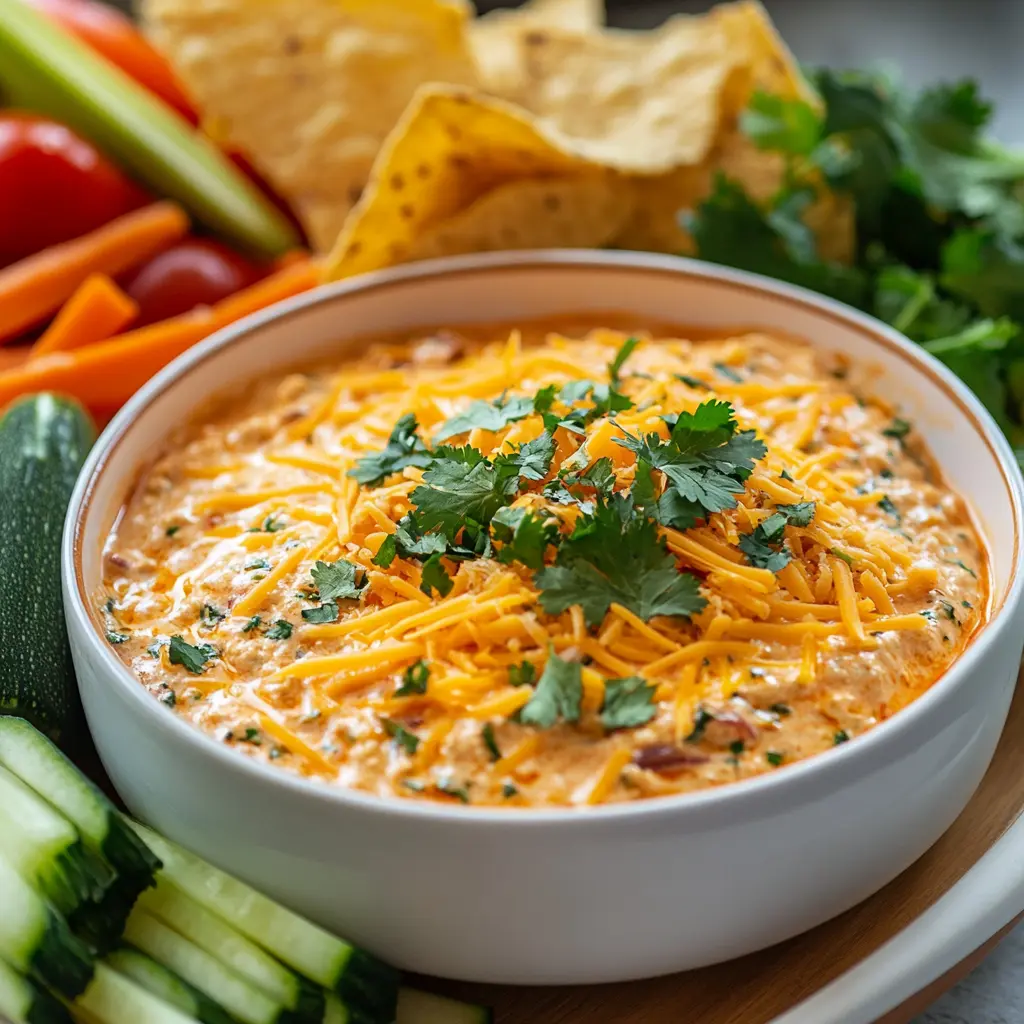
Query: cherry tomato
x,y
112,34
54,186
196,272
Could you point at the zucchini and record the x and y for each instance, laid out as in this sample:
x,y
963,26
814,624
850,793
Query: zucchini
x,y
209,932
367,986
46,850
112,998
203,971
163,983
25,752
22,1003
43,442
35,940
416,1007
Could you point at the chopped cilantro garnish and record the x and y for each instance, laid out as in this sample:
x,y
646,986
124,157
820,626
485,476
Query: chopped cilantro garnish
x,y
449,788
491,416
190,657
253,623
280,630
273,524
171,530
153,650
764,546
168,697
701,721
327,612
949,610
404,448
625,351
724,370
897,429
522,675
524,536
693,382
386,552
253,736
340,580
737,747
628,703
210,615
544,399
531,461
781,709
117,638
508,791
411,542
886,505
966,568
558,694
840,737
800,514
408,741
414,680
785,476
256,563
435,577
487,734
774,758
839,553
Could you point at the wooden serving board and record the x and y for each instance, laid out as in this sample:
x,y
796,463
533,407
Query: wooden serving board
x,y
758,988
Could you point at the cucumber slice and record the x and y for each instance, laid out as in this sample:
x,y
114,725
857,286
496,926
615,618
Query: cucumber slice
x,y
27,753
100,925
22,1003
211,933
112,998
166,985
35,940
45,849
416,1007
48,71
203,971
334,1011
367,986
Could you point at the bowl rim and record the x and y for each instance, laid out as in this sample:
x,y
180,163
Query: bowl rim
x,y
750,798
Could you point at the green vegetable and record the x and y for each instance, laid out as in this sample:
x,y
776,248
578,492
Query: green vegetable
x,y
522,675
414,680
281,629
628,703
192,658
435,577
408,741
491,416
764,546
532,461
625,351
47,70
774,758
404,448
327,612
340,580
525,537
558,695
24,1003
43,442
487,734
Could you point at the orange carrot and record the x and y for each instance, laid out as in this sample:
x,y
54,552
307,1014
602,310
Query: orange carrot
x,y
108,373
35,287
97,311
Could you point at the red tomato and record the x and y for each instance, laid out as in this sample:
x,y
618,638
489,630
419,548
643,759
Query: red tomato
x,y
196,272
54,186
112,34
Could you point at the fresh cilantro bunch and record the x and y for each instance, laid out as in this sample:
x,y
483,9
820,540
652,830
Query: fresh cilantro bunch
x,y
939,217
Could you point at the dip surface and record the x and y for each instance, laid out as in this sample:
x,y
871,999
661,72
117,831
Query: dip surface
x,y
638,591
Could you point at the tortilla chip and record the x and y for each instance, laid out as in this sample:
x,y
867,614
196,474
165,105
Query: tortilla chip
x,y
494,37
444,177
309,91
642,102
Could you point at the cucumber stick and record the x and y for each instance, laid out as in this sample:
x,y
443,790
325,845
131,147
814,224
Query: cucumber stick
x,y
208,931
43,442
166,985
35,940
203,971
21,1002
48,71
366,985
112,998
45,848
40,765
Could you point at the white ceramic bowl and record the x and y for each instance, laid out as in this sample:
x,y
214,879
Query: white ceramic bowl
x,y
571,896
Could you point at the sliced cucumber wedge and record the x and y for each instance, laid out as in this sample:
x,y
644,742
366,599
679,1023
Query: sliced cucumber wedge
x,y
203,971
22,1003
334,1011
112,998
211,933
367,986
35,940
100,925
416,1007
166,985
45,849
29,755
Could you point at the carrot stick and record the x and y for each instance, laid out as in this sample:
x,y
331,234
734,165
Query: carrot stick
x,y
108,373
35,287
97,311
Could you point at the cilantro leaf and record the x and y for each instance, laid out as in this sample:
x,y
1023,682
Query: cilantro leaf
x,y
616,556
387,552
628,703
491,416
192,658
435,577
414,680
544,399
411,542
210,615
784,125
764,546
327,612
408,741
404,448
986,269
522,675
491,742
280,630
531,461
340,580
600,476
558,695
625,351
458,489
524,537
800,514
